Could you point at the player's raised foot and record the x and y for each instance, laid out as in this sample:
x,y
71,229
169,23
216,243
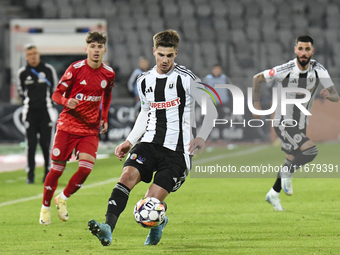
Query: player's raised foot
x,y
275,201
101,231
287,185
62,208
45,216
155,234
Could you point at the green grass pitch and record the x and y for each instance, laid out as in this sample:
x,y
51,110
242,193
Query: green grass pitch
x,y
206,216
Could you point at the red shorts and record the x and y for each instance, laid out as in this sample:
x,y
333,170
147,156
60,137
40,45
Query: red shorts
x,y
64,143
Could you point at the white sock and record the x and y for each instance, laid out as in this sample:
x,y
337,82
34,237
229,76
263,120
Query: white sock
x,y
62,196
274,193
45,207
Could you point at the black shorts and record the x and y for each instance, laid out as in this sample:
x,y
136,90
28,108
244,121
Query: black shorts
x,y
171,167
292,138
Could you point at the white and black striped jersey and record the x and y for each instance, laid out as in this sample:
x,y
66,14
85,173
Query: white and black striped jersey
x,y
169,99
289,75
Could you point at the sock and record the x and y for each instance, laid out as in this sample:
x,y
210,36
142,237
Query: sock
x,y
117,203
274,193
51,182
79,177
62,196
277,184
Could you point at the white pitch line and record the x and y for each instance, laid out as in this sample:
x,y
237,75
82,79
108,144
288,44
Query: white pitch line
x,y
235,154
196,162
58,190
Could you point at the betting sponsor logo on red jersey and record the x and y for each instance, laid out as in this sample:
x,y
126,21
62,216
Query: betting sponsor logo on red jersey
x,y
83,97
165,105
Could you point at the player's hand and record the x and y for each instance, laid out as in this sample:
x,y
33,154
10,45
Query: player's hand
x,y
122,149
257,106
325,93
71,103
104,126
196,145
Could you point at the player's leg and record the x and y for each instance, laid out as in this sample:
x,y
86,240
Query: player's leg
x,y
155,234
272,196
61,152
86,152
171,174
46,129
116,205
306,153
31,145
51,183
133,173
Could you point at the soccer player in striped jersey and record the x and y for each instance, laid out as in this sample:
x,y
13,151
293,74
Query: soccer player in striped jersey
x,y
301,72
85,86
167,93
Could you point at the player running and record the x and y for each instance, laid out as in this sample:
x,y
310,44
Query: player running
x,y
167,93
85,85
301,72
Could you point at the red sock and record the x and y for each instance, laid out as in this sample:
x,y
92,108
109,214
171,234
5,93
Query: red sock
x,y
51,182
79,177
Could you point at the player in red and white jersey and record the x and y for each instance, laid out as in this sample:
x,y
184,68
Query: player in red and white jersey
x,y
88,86
84,89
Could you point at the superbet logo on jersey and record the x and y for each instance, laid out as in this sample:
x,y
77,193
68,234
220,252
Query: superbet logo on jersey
x,y
82,97
165,105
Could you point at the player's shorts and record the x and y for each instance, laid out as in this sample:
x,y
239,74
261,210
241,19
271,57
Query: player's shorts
x,y
171,167
65,143
292,138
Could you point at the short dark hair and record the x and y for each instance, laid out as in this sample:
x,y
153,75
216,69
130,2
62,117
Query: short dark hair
x,y
96,36
30,46
305,38
167,38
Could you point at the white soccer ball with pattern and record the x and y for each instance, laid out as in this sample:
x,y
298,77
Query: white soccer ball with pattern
x,y
149,212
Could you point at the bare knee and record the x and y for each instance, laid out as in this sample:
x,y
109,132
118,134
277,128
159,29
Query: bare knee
x,y
130,177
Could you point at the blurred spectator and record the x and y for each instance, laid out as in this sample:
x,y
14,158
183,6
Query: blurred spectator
x,y
35,83
217,77
132,82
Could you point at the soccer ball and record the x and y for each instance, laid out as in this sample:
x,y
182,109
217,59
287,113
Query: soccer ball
x,y
149,212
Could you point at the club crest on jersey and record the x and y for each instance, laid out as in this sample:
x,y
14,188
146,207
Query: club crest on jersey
x,y
103,84
272,72
166,105
68,75
56,152
171,84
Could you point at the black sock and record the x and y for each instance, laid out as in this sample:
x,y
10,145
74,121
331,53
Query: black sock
x,y
277,184
116,204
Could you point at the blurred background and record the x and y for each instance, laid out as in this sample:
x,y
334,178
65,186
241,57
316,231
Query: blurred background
x,y
243,36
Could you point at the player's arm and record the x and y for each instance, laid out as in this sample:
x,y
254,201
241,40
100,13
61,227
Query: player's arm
x,y
20,84
197,144
257,79
107,96
64,85
330,93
